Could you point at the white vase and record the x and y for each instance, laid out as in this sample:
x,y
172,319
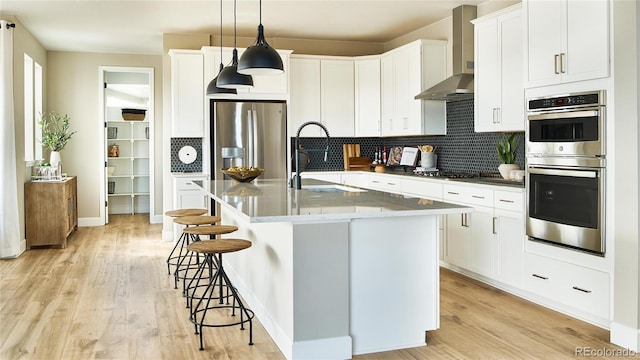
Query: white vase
x,y
54,159
505,169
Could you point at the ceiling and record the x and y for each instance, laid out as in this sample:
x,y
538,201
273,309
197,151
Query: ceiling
x,y
136,27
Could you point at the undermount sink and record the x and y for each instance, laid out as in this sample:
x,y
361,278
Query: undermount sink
x,y
331,188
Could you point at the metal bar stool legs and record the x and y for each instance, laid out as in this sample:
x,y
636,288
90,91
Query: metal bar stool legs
x,y
212,251
182,241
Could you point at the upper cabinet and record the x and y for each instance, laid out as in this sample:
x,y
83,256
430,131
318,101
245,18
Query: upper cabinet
x,y
187,93
322,90
265,87
405,72
566,41
367,96
499,90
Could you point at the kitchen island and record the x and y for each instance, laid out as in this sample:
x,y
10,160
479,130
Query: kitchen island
x,y
334,270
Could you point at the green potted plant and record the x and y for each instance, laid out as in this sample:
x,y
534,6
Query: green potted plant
x,y
506,148
55,134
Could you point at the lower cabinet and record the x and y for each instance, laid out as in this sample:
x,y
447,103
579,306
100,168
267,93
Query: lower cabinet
x,y
187,195
572,285
51,212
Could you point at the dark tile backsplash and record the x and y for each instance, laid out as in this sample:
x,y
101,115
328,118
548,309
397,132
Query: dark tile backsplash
x,y
179,166
461,149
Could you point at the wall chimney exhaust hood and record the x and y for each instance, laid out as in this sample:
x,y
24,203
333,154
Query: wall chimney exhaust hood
x,y
460,85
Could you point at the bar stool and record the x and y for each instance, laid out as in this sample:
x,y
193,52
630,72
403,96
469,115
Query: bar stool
x,y
194,233
185,238
212,251
173,260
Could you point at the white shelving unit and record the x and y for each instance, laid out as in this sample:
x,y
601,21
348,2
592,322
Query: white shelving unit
x,y
128,187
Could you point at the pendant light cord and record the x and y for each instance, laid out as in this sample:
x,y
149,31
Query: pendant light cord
x,y
260,12
234,24
220,31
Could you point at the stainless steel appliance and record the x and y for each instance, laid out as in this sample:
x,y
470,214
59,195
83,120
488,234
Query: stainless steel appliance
x,y
249,133
566,158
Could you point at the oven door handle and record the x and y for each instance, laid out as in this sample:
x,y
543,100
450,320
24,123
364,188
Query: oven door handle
x,y
563,115
562,172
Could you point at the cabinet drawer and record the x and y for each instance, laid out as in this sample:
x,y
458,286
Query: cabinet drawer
x,y
186,184
507,200
573,285
468,195
421,188
386,184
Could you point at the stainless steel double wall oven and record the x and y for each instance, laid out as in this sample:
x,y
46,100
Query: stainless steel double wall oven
x,y
566,168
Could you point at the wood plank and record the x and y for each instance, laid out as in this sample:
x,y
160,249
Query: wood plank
x,y
107,296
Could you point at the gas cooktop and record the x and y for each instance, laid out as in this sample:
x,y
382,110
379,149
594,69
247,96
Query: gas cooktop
x,y
447,174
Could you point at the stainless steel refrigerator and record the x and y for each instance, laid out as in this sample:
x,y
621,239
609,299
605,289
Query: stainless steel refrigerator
x,y
249,133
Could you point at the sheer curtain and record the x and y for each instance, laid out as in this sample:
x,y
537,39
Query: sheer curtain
x,y
9,219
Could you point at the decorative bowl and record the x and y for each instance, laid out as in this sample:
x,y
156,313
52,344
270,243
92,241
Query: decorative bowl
x,y
243,174
111,170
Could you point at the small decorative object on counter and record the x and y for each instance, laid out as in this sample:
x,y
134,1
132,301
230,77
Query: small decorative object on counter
x,y
114,150
55,134
506,148
243,174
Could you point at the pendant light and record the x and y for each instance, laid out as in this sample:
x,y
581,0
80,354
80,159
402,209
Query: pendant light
x,y
229,77
212,88
260,59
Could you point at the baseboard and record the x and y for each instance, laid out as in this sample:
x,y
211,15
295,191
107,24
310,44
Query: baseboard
x,y
625,336
94,221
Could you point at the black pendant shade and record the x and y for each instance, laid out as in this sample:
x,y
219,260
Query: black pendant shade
x,y
260,59
230,78
213,89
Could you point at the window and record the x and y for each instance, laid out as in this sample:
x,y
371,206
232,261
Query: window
x,y
32,109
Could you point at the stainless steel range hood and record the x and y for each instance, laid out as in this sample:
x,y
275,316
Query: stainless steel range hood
x,y
460,85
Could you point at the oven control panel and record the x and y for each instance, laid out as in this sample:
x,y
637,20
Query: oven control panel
x,y
567,101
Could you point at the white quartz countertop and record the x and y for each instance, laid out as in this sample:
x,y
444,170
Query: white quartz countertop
x,y
274,201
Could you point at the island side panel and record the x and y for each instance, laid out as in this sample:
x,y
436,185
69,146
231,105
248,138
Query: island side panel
x,y
263,274
321,290
394,276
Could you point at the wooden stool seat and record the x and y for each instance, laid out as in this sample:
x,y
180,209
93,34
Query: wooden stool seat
x,y
196,220
186,212
219,246
210,230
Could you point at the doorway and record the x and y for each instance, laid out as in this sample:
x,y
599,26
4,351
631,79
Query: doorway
x,y
128,119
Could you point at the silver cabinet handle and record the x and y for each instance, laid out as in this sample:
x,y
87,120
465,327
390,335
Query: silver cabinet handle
x,y
556,63
494,115
392,184
583,290
453,193
477,196
563,65
494,225
506,201
540,276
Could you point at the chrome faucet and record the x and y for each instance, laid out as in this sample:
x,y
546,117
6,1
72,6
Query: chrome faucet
x,y
297,180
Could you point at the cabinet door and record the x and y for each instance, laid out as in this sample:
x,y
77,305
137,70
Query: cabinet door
x,y
510,237
587,49
367,97
545,39
511,116
388,105
486,97
401,72
336,96
187,95
481,241
305,96
456,251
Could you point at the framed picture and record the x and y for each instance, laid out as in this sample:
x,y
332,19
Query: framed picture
x,y
395,155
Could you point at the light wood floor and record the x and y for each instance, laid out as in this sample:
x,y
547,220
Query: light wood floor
x,y
108,296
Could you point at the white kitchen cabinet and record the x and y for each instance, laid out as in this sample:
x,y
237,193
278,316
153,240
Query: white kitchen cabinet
x,y
405,72
509,229
322,89
499,89
574,286
186,195
187,93
381,182
331,176
367,96
357,179
566,41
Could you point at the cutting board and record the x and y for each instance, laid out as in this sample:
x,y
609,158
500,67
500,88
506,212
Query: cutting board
x,y
350,151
